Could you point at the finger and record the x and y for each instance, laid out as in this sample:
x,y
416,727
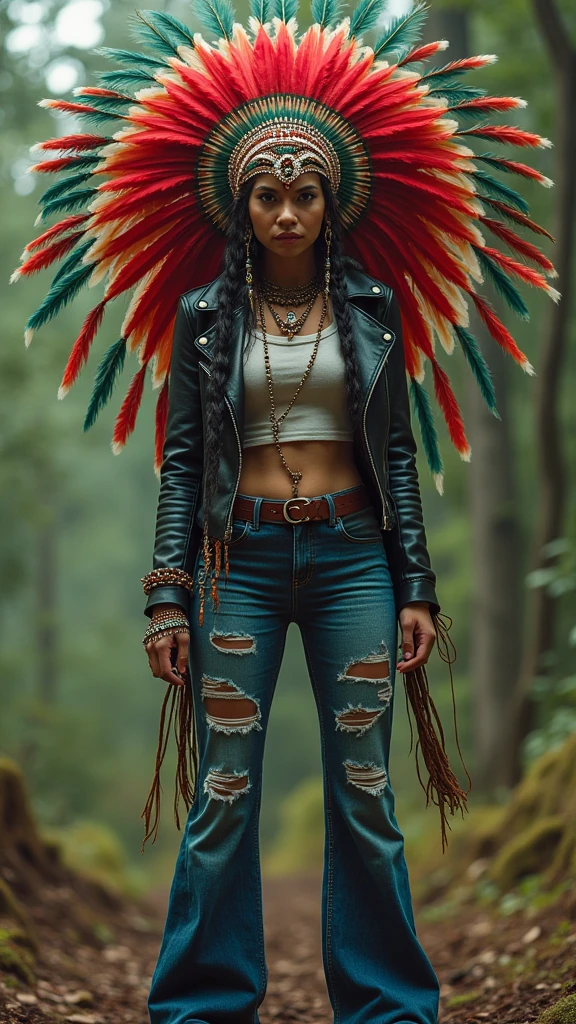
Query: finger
x,y
183,642
167,672
153,658
407,645
425,643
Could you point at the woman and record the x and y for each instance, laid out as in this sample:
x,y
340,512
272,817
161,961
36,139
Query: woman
x,y
333,188
328,574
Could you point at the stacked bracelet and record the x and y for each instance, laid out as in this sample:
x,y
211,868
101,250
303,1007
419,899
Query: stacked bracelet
x,y
165,577
166,623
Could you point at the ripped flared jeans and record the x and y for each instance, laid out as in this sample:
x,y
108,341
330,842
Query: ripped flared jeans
x,y
331,577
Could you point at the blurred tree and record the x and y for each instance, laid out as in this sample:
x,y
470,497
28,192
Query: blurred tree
x,y
557,32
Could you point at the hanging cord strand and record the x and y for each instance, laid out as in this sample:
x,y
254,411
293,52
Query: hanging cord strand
x,y
177,713
442,779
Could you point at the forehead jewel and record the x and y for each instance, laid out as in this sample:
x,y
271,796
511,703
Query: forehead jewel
x,y
285,149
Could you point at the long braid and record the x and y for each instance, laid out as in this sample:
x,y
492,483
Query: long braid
x,y
228,299
339,296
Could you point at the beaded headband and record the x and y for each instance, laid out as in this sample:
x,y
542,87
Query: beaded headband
x,y
286,149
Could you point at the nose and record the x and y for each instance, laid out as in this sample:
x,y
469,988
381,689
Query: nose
x,y
287,215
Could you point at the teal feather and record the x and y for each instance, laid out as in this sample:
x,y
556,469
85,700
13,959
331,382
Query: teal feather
x,y
108,370
403,33
60,295
217,16
421,404
174,29
284,9
98,116
502,283
457,95
466,114
494,161
499,191
444,75
124,79
117,104
502,212
479,367
366,16
260,9
326,12
69,203
60,188
144,28
72,260
130,58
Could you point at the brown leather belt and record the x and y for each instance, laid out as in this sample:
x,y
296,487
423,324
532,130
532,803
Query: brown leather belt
x,y
300,510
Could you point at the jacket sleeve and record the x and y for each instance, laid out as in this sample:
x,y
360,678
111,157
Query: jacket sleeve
x,y
177,536
406,545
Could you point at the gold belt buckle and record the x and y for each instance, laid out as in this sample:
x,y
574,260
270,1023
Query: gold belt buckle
x,y
285,510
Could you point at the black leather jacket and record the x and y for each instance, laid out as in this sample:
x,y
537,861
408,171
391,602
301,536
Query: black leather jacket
x,y
384,445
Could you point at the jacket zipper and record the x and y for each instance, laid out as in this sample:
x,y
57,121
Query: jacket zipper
x,y
386,519
228,532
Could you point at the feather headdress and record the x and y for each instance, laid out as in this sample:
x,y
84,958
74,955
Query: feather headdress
x,y
143,207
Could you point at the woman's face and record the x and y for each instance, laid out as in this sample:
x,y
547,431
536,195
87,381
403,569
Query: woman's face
x,y
287,221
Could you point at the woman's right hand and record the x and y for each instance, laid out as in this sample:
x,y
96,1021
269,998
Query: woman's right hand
x,y
159,652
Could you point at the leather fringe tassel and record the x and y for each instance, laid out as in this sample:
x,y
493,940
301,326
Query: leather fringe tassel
x,y
211,549
442,779
177,712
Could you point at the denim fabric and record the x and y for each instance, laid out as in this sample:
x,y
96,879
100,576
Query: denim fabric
x,y
331,577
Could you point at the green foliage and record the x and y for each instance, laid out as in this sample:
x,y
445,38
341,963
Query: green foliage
x,y
562,1012
554,691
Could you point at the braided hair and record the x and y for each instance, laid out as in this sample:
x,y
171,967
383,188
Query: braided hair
x,y
232,294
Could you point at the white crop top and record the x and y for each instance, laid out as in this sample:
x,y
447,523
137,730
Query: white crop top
x,y
320,411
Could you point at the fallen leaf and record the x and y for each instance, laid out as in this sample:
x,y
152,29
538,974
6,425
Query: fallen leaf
x,y
532,935
28,998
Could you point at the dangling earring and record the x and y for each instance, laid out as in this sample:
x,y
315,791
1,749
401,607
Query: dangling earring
x,y
249,279
328,240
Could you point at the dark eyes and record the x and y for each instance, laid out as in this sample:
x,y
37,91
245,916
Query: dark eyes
x,y
267,197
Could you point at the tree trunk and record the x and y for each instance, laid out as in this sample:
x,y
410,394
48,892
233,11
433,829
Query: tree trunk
x,y
550,488
496,640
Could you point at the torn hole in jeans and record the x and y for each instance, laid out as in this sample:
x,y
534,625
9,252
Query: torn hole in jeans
x,y
228,709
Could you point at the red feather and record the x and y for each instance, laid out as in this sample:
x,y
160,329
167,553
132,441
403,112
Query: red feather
x,y
497,329
521,218
57,229
526,249
44,257
450,408
75,142
81,347
504,133
126,419
421,53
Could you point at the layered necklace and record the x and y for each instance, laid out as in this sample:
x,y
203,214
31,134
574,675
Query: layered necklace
x,y
305,295
286,297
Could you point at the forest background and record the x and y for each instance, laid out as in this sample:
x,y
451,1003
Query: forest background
x,y
79,704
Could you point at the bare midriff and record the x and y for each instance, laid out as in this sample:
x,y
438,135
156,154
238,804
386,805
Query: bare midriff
x,y
325,466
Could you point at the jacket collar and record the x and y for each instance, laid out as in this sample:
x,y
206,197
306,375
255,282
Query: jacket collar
x,y
360,285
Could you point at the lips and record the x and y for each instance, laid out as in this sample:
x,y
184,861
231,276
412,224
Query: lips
x,y
287,236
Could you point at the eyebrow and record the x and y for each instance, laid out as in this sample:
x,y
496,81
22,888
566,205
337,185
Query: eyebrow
x,y
274,188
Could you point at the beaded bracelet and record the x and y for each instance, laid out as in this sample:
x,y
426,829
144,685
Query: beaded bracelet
x,y
165,577
159,634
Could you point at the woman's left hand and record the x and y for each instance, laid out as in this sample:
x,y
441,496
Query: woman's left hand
x,y
418,635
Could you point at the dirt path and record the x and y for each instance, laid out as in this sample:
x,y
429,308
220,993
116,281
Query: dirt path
x,y
497,969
